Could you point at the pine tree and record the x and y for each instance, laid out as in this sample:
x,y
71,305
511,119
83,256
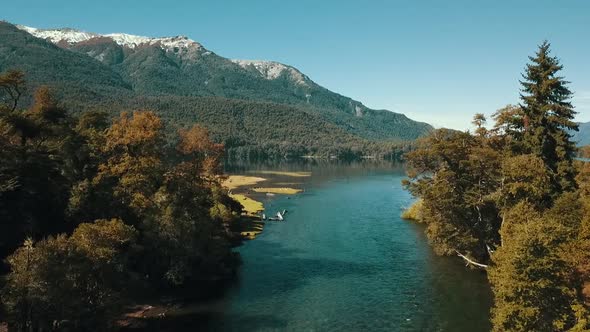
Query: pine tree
x,y
548,116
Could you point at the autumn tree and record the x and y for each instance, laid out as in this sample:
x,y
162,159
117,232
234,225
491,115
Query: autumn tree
x,y
70,282
184,235
455,175
160,213
132,165
534,276
196,145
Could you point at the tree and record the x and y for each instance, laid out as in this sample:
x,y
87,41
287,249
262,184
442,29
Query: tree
x,y
37,165
548,117
521,171
455,175
133,164
579,252
508,130
197,145
152,204
69,281
532,275
184,241
479,121
525,178
12,85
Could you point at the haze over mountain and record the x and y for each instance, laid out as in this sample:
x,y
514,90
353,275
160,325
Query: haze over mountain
x,y
122,71
582,137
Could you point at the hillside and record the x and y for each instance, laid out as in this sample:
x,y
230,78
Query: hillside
x,y
582,136
90,70
244,128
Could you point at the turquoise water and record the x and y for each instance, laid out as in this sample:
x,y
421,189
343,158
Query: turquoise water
x,y
344,261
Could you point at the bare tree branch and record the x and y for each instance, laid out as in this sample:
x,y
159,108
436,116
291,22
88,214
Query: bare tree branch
x,y
470,261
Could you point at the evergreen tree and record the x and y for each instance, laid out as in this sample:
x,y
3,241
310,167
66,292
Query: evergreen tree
x,y
548,117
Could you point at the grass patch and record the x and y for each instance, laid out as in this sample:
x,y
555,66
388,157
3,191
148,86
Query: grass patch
x,y
414,212
286,191
285,173
236,181
251,207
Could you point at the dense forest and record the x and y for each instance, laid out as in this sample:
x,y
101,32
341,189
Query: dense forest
x,y
95,211
260,130
513,200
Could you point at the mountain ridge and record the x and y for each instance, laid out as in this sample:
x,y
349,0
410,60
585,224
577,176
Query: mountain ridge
x,y
582,136
74,36
115,69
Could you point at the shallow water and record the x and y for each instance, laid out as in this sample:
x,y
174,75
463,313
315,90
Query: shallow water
x,y
344,261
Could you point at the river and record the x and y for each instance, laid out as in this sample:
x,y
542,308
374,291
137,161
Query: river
x,y
344,261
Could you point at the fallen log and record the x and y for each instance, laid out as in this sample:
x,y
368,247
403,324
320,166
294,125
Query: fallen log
x,y
470,261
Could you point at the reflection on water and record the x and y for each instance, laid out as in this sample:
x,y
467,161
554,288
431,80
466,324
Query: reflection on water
x,y
343,261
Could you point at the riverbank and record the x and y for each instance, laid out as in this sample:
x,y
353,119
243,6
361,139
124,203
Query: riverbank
x,y
245,190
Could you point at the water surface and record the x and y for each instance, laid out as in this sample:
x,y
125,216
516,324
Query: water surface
x,y
344,261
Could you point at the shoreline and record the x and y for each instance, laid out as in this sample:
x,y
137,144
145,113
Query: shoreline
x,y
249,226
248,191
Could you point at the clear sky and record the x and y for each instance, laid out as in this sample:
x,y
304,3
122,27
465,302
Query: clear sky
x,y
436,61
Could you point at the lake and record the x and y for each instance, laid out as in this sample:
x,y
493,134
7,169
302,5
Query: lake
x,y
344,260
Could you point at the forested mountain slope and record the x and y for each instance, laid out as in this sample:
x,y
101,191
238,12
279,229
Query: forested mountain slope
x,y
170,75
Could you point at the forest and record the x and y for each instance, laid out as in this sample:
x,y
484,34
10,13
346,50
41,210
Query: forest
x,y
512,199
96,211
254,130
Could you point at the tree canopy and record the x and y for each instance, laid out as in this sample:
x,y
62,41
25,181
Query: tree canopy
x,y
513,200
93,210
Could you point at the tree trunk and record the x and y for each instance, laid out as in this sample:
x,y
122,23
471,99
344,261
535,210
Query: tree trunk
x,y
470,261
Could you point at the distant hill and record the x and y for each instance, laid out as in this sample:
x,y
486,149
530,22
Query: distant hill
x,y
178,77
582,137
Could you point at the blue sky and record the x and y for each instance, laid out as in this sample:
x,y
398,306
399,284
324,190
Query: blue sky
x,y
436,61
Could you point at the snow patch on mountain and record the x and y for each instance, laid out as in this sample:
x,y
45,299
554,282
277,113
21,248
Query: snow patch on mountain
x,y
181,46
57,35
130,41
72,36
167,43
272,70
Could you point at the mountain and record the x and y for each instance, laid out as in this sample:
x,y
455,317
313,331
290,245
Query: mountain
x,y
114,70
582,136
